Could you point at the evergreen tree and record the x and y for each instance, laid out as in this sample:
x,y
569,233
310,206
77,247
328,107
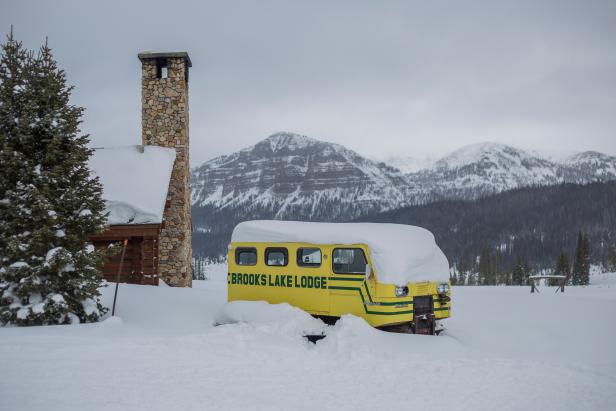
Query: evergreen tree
x,y
49,203
461,278
520,273
577,265
462,268
586,262
453,278
486,273
581,267
563,267
498,267
611,259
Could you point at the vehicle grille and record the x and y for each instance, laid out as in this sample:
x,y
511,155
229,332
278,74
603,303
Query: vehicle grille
x,y
423,305
422,288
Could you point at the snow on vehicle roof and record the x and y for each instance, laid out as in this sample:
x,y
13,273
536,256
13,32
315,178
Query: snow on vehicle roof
x,y
135,182
400,253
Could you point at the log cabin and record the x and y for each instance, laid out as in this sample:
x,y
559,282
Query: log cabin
x,y
146,187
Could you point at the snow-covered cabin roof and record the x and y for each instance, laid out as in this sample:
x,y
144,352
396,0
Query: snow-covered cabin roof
x,y
135,182
400,253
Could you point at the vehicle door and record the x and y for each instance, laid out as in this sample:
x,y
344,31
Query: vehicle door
x,y
348,267
311,276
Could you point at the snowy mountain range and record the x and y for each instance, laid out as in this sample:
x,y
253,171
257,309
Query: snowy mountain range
x,y
293,176
408,164
288,176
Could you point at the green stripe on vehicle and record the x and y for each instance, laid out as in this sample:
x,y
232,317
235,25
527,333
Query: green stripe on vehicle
x,y
345,279
363,300
409,302
387,304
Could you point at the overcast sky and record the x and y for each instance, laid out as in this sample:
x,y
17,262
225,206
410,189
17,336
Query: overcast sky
x,y
409,78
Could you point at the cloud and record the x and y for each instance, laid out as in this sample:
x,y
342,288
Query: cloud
x,y
390,78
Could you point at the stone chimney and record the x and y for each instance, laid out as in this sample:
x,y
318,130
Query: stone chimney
x,y
164,123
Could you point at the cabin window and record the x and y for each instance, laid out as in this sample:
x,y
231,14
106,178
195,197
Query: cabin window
x,y
246,256
309,257
349,261
276,256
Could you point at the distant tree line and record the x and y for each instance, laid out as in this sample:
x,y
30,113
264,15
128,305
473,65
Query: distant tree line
x,y
200,265
500,238
488,268
520,231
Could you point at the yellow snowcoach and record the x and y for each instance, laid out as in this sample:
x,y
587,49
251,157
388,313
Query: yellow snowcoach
x,y
392,275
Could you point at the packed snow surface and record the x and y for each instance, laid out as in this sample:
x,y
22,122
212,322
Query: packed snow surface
x,y
260,312
504,349
400,253
134,183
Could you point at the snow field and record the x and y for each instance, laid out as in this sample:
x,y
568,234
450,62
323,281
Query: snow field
x,y
504,349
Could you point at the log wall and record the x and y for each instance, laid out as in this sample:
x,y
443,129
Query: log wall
x,y
141,257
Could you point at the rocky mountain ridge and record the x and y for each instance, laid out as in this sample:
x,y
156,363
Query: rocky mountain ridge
x,y
294,177
293,174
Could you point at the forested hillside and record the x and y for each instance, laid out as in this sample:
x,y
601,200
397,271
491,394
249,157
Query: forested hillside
x,y
288,176
532,225
528,224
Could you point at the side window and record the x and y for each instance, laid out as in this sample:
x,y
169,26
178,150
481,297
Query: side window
x,y
349,261
309,257
246,256
276,256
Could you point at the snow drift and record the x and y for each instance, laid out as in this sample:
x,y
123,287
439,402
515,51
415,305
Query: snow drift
x,y
294,321
520,354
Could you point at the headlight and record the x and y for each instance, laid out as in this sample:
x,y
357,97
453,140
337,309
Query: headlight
x,y
402,291
442,288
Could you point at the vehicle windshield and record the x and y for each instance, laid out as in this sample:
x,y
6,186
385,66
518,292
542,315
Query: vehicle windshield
x,y
349,261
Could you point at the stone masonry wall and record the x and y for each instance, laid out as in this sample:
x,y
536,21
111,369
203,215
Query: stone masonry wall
x,y
164,118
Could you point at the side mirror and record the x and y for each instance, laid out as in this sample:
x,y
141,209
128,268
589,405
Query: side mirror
x,y
368,271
